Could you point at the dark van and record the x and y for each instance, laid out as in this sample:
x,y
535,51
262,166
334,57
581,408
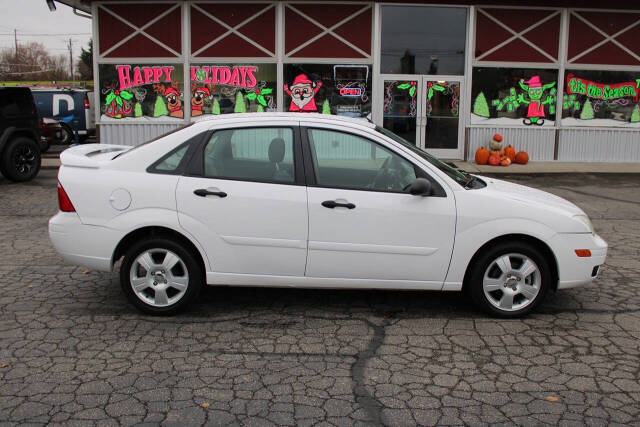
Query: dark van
x,y
73,108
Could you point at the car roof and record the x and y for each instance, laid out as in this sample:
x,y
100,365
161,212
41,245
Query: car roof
x,y
262,117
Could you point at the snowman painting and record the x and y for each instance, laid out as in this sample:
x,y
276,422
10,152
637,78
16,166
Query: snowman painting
x,y
535,89
302,92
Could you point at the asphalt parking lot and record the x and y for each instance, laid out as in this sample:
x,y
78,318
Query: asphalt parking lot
x,y
73,351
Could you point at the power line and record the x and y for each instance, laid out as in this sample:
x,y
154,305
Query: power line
x,y
46,34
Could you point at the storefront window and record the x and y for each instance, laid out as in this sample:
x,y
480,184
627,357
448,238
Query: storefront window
x,y
423,40
227,88
344,90
601,98
514,96
129,91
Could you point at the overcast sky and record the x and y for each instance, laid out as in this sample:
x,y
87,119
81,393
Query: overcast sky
x,y
34,22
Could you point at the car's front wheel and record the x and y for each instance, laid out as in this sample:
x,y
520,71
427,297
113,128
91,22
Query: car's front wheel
x,y
509,279
160,276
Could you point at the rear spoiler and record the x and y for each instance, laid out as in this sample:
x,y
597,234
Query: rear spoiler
x,y
91,155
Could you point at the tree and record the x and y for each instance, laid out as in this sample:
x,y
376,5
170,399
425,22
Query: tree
x,y
240,107
160,108
137,110
587,111
635,116
32,62
326,108
216,107
85,63
480,106
260,109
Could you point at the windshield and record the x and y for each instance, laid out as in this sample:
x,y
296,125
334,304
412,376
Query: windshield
x,y
458,176
155,139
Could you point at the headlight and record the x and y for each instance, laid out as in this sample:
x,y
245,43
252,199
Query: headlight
x,y
585,220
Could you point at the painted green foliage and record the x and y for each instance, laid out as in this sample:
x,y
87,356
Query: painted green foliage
x,y
258,95
635,116
587,111
137,110
240,106
326,108
480,106
160,108
216,107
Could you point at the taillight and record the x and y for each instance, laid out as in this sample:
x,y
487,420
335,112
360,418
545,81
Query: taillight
x,y
86,103
64,203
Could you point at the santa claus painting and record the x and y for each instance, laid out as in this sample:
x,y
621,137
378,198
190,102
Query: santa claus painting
x,y
302,92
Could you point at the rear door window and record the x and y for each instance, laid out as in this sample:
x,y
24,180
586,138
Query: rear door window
x,y
251,154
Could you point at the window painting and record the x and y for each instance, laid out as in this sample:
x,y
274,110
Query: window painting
x,y
601,98
343,90
512,96
224,88
142,92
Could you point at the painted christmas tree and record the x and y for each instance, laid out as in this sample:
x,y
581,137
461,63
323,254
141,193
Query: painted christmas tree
x,y
260,109
137,110
635,116
326,108
480,106
587,111
160,109
216,107
240,107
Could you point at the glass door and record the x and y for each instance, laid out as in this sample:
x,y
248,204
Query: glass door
x,y
400,109
439,123
424,110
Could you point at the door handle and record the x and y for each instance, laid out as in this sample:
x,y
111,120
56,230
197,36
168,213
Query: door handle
x,y
333,204
203,192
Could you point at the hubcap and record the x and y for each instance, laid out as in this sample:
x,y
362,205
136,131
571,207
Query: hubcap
x,y
159,277
24,159
511,282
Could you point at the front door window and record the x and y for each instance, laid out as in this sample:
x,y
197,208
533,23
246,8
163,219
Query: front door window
x,y
401,107
442,111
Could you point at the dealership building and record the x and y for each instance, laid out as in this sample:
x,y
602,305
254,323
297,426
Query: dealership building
x,y
558,79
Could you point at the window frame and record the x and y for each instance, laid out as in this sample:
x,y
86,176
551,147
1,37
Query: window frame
x,y
310,176
196,167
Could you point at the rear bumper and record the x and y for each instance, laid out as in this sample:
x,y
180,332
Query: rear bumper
x,y
80,244
577,271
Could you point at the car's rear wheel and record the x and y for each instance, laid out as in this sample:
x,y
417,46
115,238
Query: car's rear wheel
x,y
21,159
509,279
160,276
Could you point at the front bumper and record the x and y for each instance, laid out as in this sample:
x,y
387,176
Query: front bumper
x,y
574,270
80,244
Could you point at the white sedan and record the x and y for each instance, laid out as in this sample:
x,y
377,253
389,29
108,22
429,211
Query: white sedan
x,y
313,201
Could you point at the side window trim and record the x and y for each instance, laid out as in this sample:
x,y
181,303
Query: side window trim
x,y
310,167
196,164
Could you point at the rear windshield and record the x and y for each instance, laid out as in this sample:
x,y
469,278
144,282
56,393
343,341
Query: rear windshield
x,y
154,139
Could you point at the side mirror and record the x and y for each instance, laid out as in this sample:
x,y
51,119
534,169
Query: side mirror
x,y
420,187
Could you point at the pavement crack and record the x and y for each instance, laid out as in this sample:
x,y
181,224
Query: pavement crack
x,y
366,400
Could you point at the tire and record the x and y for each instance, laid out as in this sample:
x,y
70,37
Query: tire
x,y
160,290
66,137
44,146
21,159
512,293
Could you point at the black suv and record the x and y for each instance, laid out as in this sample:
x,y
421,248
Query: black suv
x,y
19,134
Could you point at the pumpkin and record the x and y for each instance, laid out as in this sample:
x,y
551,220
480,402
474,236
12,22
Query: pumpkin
x,y
482,156
497,137
505,161
510,152
522,158
494,159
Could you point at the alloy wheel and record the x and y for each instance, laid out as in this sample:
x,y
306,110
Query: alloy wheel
x,y
159,277
512,282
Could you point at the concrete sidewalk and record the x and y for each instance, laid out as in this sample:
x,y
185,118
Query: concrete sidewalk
x,y
549,167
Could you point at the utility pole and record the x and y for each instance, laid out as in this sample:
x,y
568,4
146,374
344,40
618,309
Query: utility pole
x,y
15,39
70,59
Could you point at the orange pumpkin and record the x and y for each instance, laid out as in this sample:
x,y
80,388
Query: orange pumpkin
x,y
505,161
510,152
494,159
522,158
482,156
